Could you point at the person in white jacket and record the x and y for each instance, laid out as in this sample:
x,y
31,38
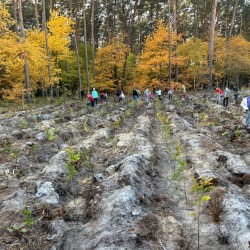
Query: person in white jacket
x,y
245,104
226,97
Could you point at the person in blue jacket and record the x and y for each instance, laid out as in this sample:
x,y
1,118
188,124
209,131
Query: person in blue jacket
x,y
95,95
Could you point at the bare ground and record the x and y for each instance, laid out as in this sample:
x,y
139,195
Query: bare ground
x,y
123,195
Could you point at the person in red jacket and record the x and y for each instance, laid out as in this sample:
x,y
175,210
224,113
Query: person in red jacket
x,y
219,95
91,100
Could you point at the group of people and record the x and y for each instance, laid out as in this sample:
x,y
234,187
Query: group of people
x,y
120,95
94,95
149,95
183,95
223,98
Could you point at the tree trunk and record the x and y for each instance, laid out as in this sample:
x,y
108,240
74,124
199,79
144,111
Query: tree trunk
x,y
93,36
26,65
175,3
47,49
125,66
77,51
15,16
43,89
51,5
211,42
227,18
196,18
169,47
108,36
60,4
157,11
229,40
85,44
204,20
114,19
128,41
36,16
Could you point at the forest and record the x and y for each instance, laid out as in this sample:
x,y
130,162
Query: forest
x,y
53,48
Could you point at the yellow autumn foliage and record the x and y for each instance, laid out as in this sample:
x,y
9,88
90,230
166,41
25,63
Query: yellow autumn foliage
x,y
220,45
12,53
109,63
5,19
153,67
59,27
238,57
194,51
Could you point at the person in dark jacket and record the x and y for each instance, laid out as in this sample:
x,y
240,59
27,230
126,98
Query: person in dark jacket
x,y
135,94
236,93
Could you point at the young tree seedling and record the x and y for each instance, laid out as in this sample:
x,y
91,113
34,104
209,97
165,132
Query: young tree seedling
x,y
200,188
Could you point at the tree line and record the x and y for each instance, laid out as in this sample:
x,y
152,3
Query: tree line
x,y
54,47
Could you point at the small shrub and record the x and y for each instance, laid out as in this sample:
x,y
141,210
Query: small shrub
x,y
237,133
128,113
166,121
7,148
215,122
202,116
34,147
23,124
224,133
85,128
15,152
117,123
50,133
23,227
200,188
179,172
72,160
